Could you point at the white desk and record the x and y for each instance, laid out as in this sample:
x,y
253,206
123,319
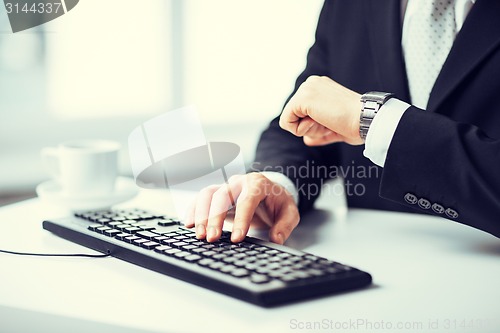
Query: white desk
x,y
425,270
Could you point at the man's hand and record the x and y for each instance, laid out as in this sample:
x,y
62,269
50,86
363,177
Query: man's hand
x,y
322,111
258,202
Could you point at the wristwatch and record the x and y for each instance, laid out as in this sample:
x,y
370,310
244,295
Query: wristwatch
x,y
372,102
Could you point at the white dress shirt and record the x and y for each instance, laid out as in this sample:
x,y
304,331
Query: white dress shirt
x,y
386,121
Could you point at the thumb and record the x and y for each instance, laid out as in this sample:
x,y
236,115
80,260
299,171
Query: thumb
x,y
286,219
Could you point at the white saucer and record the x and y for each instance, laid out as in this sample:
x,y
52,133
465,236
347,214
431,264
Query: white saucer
x,y
50,191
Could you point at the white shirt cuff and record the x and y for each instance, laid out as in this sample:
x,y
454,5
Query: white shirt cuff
x,y
382,129
284,181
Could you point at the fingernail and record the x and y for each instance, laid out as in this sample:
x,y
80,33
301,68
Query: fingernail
x,y
200,231
211,232
236,235
280,238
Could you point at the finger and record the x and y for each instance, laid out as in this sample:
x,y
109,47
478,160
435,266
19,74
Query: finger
x,y
328,138
202,210
255,189
289,120
287,218
222,201
305,126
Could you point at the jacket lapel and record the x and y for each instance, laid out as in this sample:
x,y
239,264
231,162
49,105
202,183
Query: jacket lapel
x,y
384,27
479,36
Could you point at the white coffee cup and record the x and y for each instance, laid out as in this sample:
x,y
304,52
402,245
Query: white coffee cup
x,y
83,168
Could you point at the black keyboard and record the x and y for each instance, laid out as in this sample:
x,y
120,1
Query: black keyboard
x,y
254,270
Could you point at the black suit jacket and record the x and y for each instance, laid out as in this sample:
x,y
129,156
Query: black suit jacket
x,y
447,156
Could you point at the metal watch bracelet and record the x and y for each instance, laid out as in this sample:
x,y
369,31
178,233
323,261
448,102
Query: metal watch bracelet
x,y
371,103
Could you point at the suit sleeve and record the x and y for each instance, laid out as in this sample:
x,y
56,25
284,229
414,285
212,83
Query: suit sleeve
x,y
281,151
445,168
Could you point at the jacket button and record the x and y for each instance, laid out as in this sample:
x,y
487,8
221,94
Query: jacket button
x,y
424,203
411,198
451,213
438,208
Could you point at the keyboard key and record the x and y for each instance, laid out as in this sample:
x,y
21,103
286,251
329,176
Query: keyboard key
x,y
172,251
166,223
288,278
261,262
311,257
229,260
273,265
209,253
162,248
205,262
122,236
240,272
276,274
251,267
147,227
300,274
263,270
111,233
316,272
249,259
113,224
101,229
139,241
94,227
130,239
239,263
132,230
192,258
146,234
219,256
261,248
179,244
228,268
122,226
259,278
182,254
169,241
160,238
150,245
216,265
103,221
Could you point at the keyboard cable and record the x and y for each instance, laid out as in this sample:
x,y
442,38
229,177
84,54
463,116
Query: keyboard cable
x,y
57,254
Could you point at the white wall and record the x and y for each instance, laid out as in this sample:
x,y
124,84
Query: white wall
x,y
108,67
